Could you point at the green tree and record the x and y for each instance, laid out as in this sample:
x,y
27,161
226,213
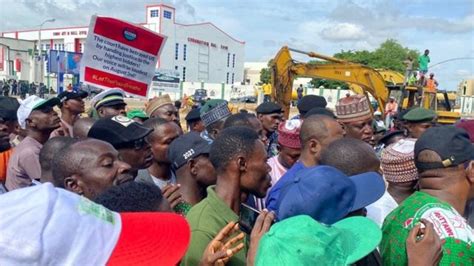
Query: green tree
x,y
265,73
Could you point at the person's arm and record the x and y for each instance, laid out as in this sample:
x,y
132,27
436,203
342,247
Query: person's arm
x,y
262,225
223,246
196,248
423,245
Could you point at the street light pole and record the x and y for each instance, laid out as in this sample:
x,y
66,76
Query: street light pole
x,y
41,50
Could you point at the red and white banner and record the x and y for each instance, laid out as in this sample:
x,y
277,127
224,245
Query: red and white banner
x,y
118,54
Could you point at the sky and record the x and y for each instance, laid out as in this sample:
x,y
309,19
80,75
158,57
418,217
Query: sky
x,y
446,28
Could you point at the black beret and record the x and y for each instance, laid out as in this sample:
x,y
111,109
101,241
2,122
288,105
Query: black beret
x,y
309,102
268,108
8,108
194,114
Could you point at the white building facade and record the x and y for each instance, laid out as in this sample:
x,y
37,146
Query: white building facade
x,y
198,52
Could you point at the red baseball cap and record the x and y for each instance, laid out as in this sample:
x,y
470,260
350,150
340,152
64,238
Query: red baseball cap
x,y
45,225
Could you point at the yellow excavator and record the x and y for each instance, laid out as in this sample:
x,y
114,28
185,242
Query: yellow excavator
x,y
381,84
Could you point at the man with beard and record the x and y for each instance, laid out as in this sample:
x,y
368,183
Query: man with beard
x,y
128,138
88,167
72,106
8,123
354,113
109,103
37,116
240,160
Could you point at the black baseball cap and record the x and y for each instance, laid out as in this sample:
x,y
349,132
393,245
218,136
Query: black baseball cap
x,y
268,108
187,147
450,143
309,102
118,131
8,108
69,95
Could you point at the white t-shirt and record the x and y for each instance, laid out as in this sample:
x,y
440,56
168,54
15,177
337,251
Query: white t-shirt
x,y
378,210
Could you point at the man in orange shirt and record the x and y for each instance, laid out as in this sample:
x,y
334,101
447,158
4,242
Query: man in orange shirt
x,y
8,120
431,88
391,108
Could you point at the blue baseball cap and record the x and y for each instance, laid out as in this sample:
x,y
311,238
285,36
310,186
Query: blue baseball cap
x,y
328,195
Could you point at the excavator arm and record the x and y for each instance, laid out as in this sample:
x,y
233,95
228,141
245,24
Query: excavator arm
x,y
285,70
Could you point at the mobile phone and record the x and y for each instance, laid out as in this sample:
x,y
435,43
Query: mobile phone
x,y
248,216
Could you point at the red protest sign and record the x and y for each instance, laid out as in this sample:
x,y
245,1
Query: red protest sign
x,y
119,54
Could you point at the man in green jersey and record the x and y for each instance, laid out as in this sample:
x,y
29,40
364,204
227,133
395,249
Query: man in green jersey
x,y
444,158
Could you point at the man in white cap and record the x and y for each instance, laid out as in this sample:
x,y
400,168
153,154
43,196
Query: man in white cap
x,y
38,117
109,103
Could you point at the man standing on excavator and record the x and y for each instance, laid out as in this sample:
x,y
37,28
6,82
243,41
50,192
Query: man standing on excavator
x,y
353,112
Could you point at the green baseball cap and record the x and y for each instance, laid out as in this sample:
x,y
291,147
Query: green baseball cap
x,y
137,113
301,240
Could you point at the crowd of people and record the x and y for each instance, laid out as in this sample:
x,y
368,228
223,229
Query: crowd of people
x,y
330,187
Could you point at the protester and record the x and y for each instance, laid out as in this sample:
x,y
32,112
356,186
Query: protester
x,y
418,120
109,103
391,108
289,147
444,158
194,171
213,114
162,107
378,119
399,171
270,115
133,197
194,121
319,111
8,123
467,125
37,116
423,61
328,195
128,138
408,69
72,106
159,172
239,158
89,167
137,115
300,240
354,114
247,120
309,102
47,152
37,222
82,126
317,132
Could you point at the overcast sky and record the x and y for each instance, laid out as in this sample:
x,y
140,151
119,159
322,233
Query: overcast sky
x,y
444,27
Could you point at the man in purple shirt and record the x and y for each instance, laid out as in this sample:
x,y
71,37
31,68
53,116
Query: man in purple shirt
x,y
37,116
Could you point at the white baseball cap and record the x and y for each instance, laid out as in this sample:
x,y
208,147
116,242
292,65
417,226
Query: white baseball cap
x,y
31,103
44,225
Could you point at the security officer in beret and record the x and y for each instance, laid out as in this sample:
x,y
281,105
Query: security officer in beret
x,y
194,121
270,115
309,102
418,120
